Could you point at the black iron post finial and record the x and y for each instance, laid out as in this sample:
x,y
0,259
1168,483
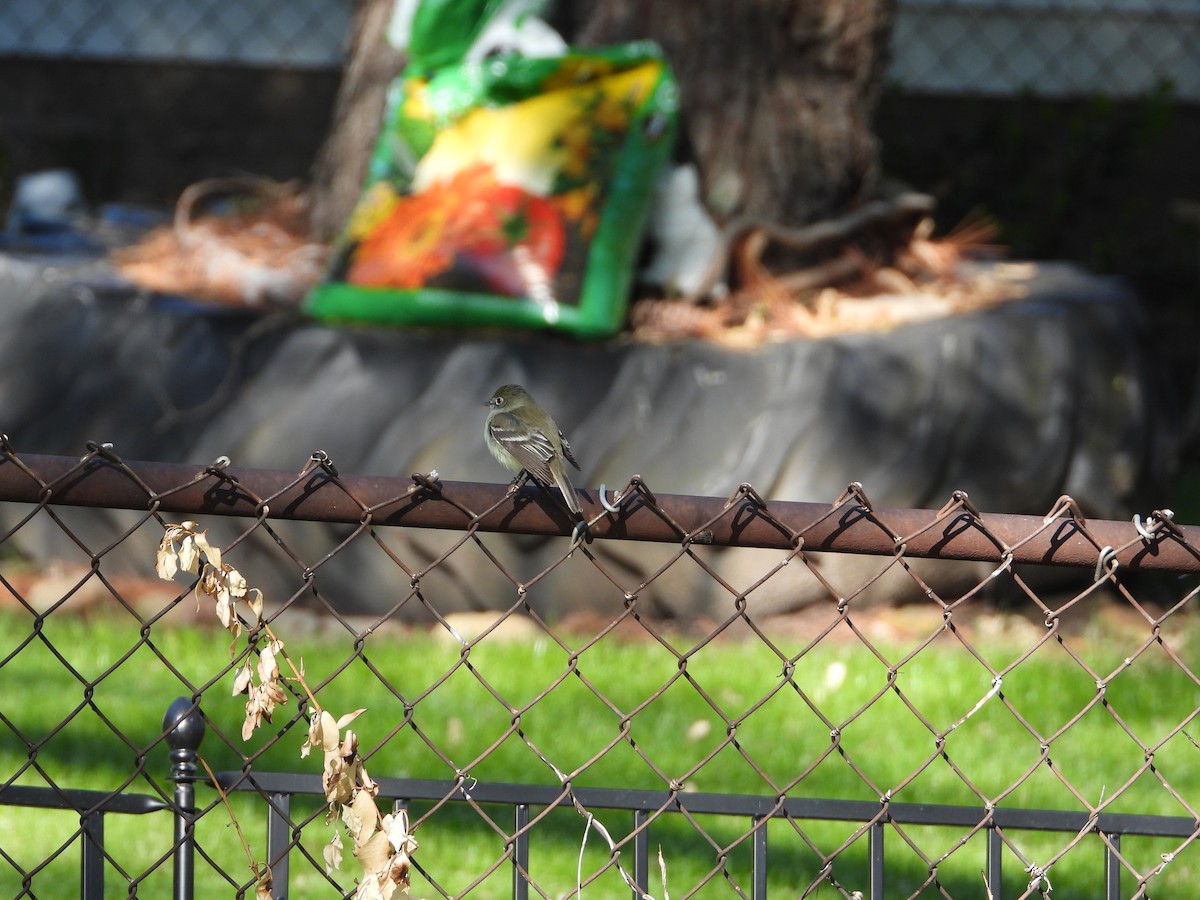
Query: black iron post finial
x,y
184,728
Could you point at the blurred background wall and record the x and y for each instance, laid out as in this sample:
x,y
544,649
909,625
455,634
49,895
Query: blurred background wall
x,y
1074,125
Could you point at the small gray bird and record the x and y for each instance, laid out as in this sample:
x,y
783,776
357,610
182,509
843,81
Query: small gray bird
x,y
524,438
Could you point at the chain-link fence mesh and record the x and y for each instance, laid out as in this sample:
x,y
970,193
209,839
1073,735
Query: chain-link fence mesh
x,y
1116,48
947,748
1053,47
257,32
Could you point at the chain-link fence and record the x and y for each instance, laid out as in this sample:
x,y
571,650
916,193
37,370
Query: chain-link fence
x,y
1114,48
256,32
1017,736
1052,47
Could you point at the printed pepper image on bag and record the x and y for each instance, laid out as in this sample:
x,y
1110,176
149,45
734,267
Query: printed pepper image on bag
x,y
509,191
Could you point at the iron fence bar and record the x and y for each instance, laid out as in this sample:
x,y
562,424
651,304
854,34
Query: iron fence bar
x,y
737,805
641,854
758,882
875,852
279,841
995,862
1112,868
101,482
520,862
92,857
83,802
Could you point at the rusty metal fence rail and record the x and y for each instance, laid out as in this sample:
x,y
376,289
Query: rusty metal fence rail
x,y
947,749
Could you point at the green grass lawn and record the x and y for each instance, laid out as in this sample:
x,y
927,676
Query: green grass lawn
x,y
464,707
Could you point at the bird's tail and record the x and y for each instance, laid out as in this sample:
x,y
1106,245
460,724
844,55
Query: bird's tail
x,y
568,492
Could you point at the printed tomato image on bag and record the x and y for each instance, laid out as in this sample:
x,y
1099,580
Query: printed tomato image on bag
x,y
466,227
511,190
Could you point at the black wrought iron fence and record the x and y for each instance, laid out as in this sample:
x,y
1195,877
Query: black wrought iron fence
x,y
1005,735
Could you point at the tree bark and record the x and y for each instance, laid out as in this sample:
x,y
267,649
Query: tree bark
x,y
777,98
777,95
341,165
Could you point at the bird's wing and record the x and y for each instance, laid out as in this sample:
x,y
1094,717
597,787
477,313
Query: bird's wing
x,y
566,449
533,451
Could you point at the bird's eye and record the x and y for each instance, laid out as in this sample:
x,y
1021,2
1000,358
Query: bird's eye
x,y
499,401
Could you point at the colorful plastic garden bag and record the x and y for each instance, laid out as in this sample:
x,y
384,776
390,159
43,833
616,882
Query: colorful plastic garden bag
x,y
512,191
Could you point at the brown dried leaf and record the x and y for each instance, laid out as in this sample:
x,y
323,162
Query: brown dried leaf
x,y
252,720
361,817
235,581
395,826
375,854
399,868
200,544
314,735
337,780
329,732
171,559
349,717
268,667
275,692
369,889
189,555
262,886
363,780
256,604
243,680
166,561
348,749
332,852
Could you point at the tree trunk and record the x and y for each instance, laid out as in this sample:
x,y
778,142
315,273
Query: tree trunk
x,y
777,95
777,98
341,166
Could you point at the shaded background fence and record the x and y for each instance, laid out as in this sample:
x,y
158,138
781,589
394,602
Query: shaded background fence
x,y
1055,47
849,749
